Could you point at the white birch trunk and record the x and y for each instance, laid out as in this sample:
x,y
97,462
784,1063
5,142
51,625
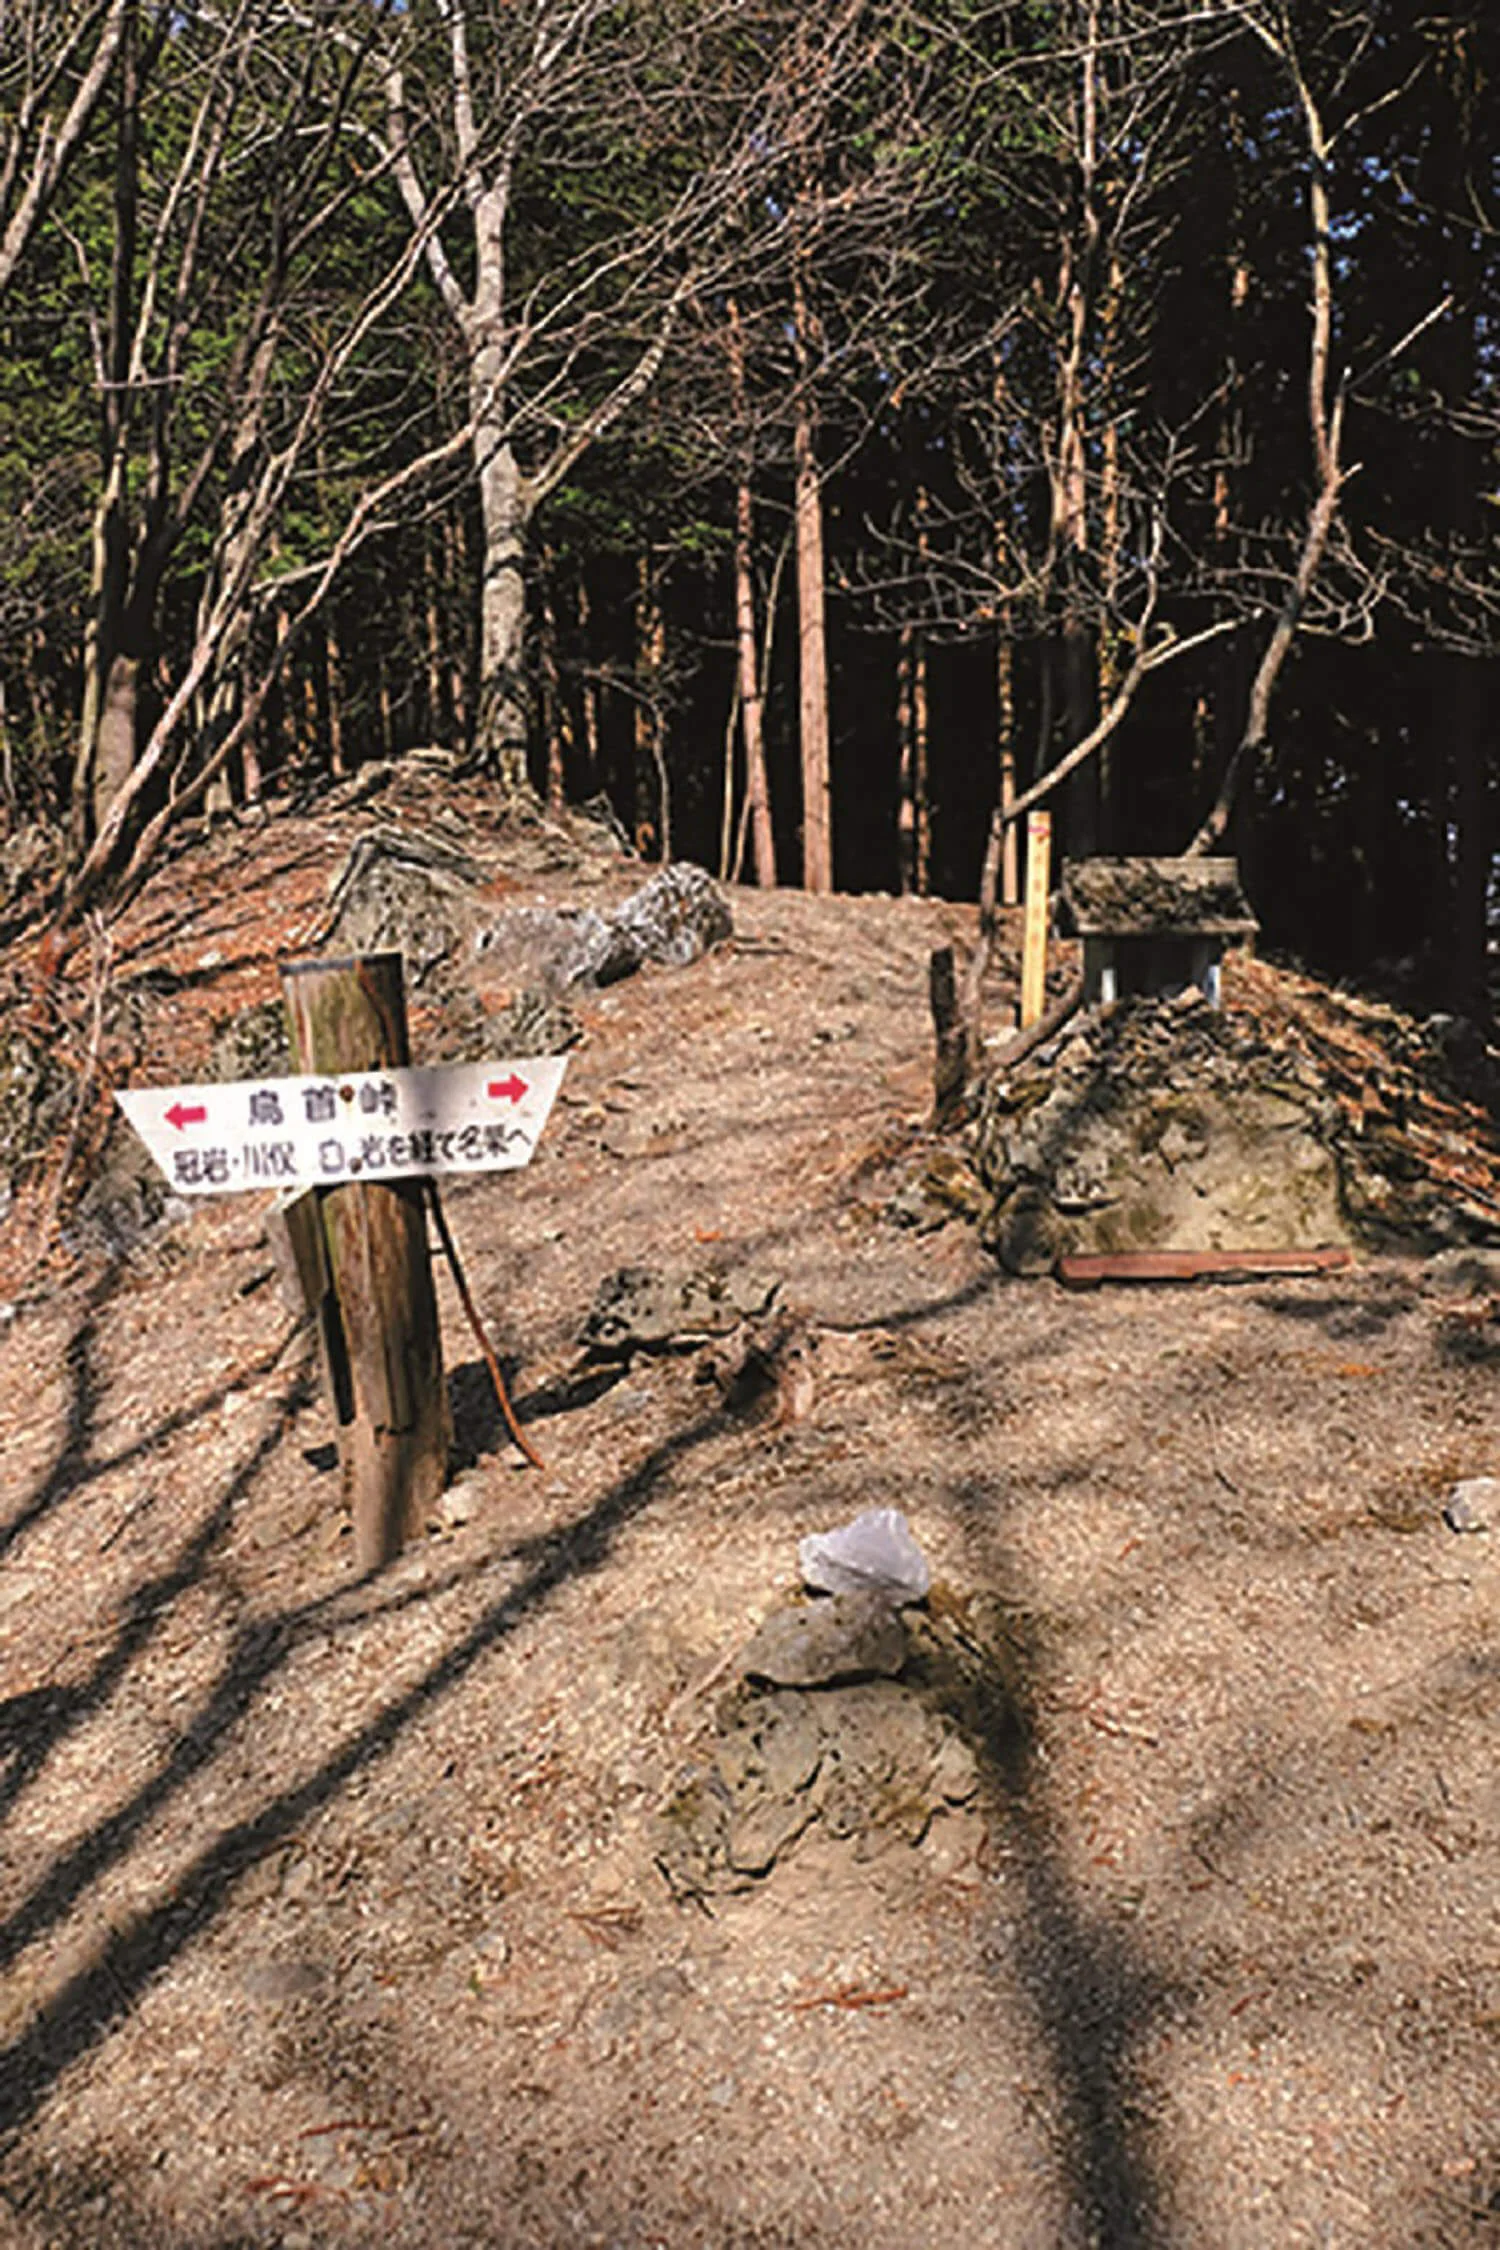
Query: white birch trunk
x,y
501,725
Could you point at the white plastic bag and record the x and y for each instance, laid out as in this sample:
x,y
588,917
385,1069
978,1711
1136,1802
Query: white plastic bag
x,y
875,1553
1473,1505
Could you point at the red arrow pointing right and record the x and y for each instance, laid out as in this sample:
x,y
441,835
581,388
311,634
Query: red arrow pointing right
x,y
507,1089
180,1114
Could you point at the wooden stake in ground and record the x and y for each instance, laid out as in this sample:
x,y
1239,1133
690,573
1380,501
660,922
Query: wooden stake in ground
x,y
1034,941
950,1059
380,1323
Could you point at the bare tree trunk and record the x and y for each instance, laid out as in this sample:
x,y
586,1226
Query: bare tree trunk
x,y
115,736
922,775
313,728
506,502
93,790
1467,675
1110,536
651,807
37,144
106,747
383,705
1233,669
1005,701
458,669
234,550
38,692
812,645
280,734
333,692
505,511
1474,844
752,701
139,519
1070,500
509,497
751,697
432,640
913,811
1007,872
1077,654
589,693
906,810
1325,411
727,788
254,779
557,724
812,636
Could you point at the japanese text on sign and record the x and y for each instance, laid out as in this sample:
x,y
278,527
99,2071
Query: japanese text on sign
x,y
320,1131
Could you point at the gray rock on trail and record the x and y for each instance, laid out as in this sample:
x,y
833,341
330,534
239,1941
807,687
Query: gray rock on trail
x,y
534,1023
660,1309
422,894
555,948
870,1763
676,917
672,919
854,1636
403,892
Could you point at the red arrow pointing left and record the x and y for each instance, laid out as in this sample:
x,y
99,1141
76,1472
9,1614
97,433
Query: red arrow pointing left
x,y
180,1114
507,1089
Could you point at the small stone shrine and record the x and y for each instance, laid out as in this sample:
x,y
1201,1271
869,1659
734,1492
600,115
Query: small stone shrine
x,y
1153,927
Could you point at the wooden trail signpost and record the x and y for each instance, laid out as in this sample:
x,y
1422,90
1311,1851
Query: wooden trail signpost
x,y
378,1314
359,1132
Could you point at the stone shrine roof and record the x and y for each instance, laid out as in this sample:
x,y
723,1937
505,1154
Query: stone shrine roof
x,y
1154,898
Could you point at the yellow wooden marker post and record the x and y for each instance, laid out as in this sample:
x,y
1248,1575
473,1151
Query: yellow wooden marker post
x,y
1034,941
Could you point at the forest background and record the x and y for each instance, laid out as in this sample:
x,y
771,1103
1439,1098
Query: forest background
x,y
820,428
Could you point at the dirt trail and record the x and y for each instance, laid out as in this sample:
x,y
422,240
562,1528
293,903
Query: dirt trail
x,y
329,1913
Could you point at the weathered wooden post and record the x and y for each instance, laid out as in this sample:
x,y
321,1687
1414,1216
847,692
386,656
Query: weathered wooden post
x,y
950,1056
1034,928
379,1314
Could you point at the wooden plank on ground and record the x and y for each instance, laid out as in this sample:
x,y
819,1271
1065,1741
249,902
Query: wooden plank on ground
x,y
1087,1269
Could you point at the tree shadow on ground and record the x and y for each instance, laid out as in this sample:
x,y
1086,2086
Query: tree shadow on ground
x,y
479,1427
75,1466
33,1726
474,1414
84,1398
1091,1996
80,2015
1344,1314
1461,1342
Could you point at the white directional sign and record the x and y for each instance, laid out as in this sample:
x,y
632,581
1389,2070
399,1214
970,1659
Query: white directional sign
x,y
367,1125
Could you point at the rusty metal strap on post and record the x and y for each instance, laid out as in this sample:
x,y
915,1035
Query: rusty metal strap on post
x,y
471,1310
